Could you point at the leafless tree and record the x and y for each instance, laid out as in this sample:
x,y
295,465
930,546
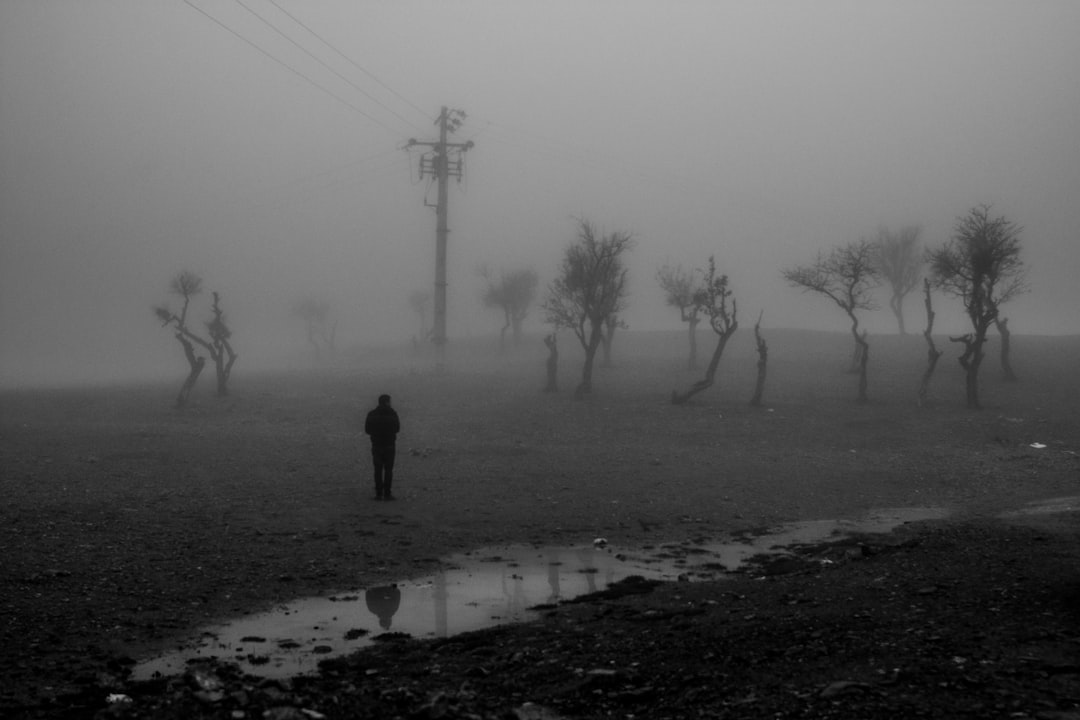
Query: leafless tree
x,y
420,301
589,289
932,353
847,276
512,293
715,301
187,285
762,362
981,265
321,328
680,287
900,261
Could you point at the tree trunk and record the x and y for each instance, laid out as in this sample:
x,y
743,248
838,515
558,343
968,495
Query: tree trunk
x,y
224,357
595,340
863,361
932,356
762,364
897,305
189,383
1006,367
503,329
196,365
861,355
710,372
222,378
691,363
971,381
970,361
606,339
552,364
932,353
857,351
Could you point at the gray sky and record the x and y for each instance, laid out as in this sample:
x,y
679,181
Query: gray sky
x,y
140,137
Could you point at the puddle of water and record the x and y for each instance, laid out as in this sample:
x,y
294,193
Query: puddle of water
x,y
482,589
1046,507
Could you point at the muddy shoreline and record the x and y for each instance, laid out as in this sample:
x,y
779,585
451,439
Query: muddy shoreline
x,y
943,619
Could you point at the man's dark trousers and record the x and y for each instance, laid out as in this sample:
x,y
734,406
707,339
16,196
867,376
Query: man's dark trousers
x,y
382,456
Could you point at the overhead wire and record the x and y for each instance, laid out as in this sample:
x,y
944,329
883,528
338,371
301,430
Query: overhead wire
x,y
290,68
322,62
352,62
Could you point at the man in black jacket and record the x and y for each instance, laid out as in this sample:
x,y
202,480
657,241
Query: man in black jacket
x,y
382,425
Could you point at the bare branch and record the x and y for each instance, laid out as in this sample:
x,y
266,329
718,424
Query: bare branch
x,y
589,289
981,265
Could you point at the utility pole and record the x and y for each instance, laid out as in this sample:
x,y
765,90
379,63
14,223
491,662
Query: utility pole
x,y
439,165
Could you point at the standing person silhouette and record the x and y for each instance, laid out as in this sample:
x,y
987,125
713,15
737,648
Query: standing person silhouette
x,y
382,424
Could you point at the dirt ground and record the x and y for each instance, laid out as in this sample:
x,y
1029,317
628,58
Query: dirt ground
x,y
127,524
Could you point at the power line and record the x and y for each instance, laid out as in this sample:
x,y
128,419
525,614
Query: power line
x,y
395,93
322,62
288,67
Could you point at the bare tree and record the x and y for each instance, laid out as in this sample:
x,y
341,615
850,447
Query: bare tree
x,y
320,327
680,287
847,276
932,353
589,288
512,293
981,265
900,262
762,362
715,300
187,285
420,301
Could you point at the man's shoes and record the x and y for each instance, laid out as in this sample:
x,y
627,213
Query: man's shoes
x,y
378,497
389,497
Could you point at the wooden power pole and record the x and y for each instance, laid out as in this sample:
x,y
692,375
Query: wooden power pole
x,y
439,165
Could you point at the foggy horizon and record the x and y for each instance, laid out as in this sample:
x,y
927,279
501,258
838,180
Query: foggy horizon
x,y
138,140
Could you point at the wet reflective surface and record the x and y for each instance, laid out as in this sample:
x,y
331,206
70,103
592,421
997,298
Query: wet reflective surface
x,y
1047,507
489,587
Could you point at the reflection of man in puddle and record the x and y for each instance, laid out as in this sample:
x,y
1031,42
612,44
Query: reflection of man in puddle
x,y
553,577
516,602
383,601
588,567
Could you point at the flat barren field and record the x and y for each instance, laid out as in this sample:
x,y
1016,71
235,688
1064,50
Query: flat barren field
x,y
126,524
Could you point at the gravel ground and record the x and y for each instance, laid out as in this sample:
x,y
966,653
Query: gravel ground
x,y
127,525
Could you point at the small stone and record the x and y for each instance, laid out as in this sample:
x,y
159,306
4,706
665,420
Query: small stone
x,y
842,687
209,697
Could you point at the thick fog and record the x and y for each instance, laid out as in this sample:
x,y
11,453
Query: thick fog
x,y
139,139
